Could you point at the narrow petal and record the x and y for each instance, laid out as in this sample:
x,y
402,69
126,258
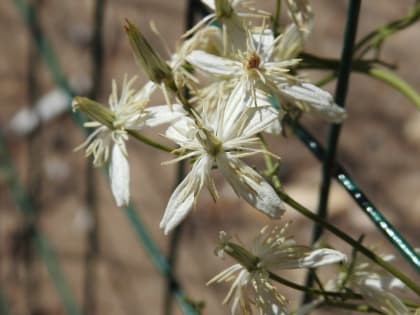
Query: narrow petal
x,y
250,185
163,114
382,300
182,199
314,99
119,173
323,256
212,64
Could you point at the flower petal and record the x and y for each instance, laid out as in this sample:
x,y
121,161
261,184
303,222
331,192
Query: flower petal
x,y
212,64
119,173
163,114
250,185
319,257
312,98
182,199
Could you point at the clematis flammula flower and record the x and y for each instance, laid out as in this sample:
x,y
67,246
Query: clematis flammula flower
x,y
220,137
373,283
126,113
265,65
272,249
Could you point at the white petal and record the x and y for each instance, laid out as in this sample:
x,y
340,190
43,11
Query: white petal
x,y
382,300
250,185
314,99
212,64
182,199
323,256
263,43
290,44
119,173
163,114
182,131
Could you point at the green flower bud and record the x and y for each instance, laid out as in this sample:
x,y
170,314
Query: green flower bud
x,y
94,110
153,65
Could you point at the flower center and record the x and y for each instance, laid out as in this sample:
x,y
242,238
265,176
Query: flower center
x,y
253,61
211,144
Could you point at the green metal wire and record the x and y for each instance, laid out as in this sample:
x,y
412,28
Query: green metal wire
x,y
42,246
343,177
340,96
52,63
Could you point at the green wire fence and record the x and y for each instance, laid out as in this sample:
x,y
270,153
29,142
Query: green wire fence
x,y
166,266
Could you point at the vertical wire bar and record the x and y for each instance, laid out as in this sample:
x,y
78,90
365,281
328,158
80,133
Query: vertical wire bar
x,y
328,165
92,237
340,96
34,183
175,237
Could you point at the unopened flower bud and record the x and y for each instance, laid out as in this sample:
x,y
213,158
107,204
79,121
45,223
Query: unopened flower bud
x,y
153,65
94,110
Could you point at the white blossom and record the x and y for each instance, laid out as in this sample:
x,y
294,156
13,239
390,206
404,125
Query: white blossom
x,y
220,137
108,141
265,65
373,283
272,250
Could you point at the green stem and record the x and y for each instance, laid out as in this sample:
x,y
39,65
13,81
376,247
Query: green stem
x,y
396,82
376,37
303,288
276,19
149,141
349,240
349,306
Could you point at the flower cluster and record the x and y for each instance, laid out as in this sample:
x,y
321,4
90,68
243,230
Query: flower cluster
x,y
233,77
273,249
243,85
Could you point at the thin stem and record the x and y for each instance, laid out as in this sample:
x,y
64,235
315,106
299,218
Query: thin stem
x,y
376,37
349,240
306,289
396,82
276,19
149,141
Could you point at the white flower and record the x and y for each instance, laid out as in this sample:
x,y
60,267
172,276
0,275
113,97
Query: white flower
x,y
272,249
265,65
127,112
219,138
373,282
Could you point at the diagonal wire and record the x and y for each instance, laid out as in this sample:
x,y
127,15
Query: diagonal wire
x,y
50,59
42,245
358,196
